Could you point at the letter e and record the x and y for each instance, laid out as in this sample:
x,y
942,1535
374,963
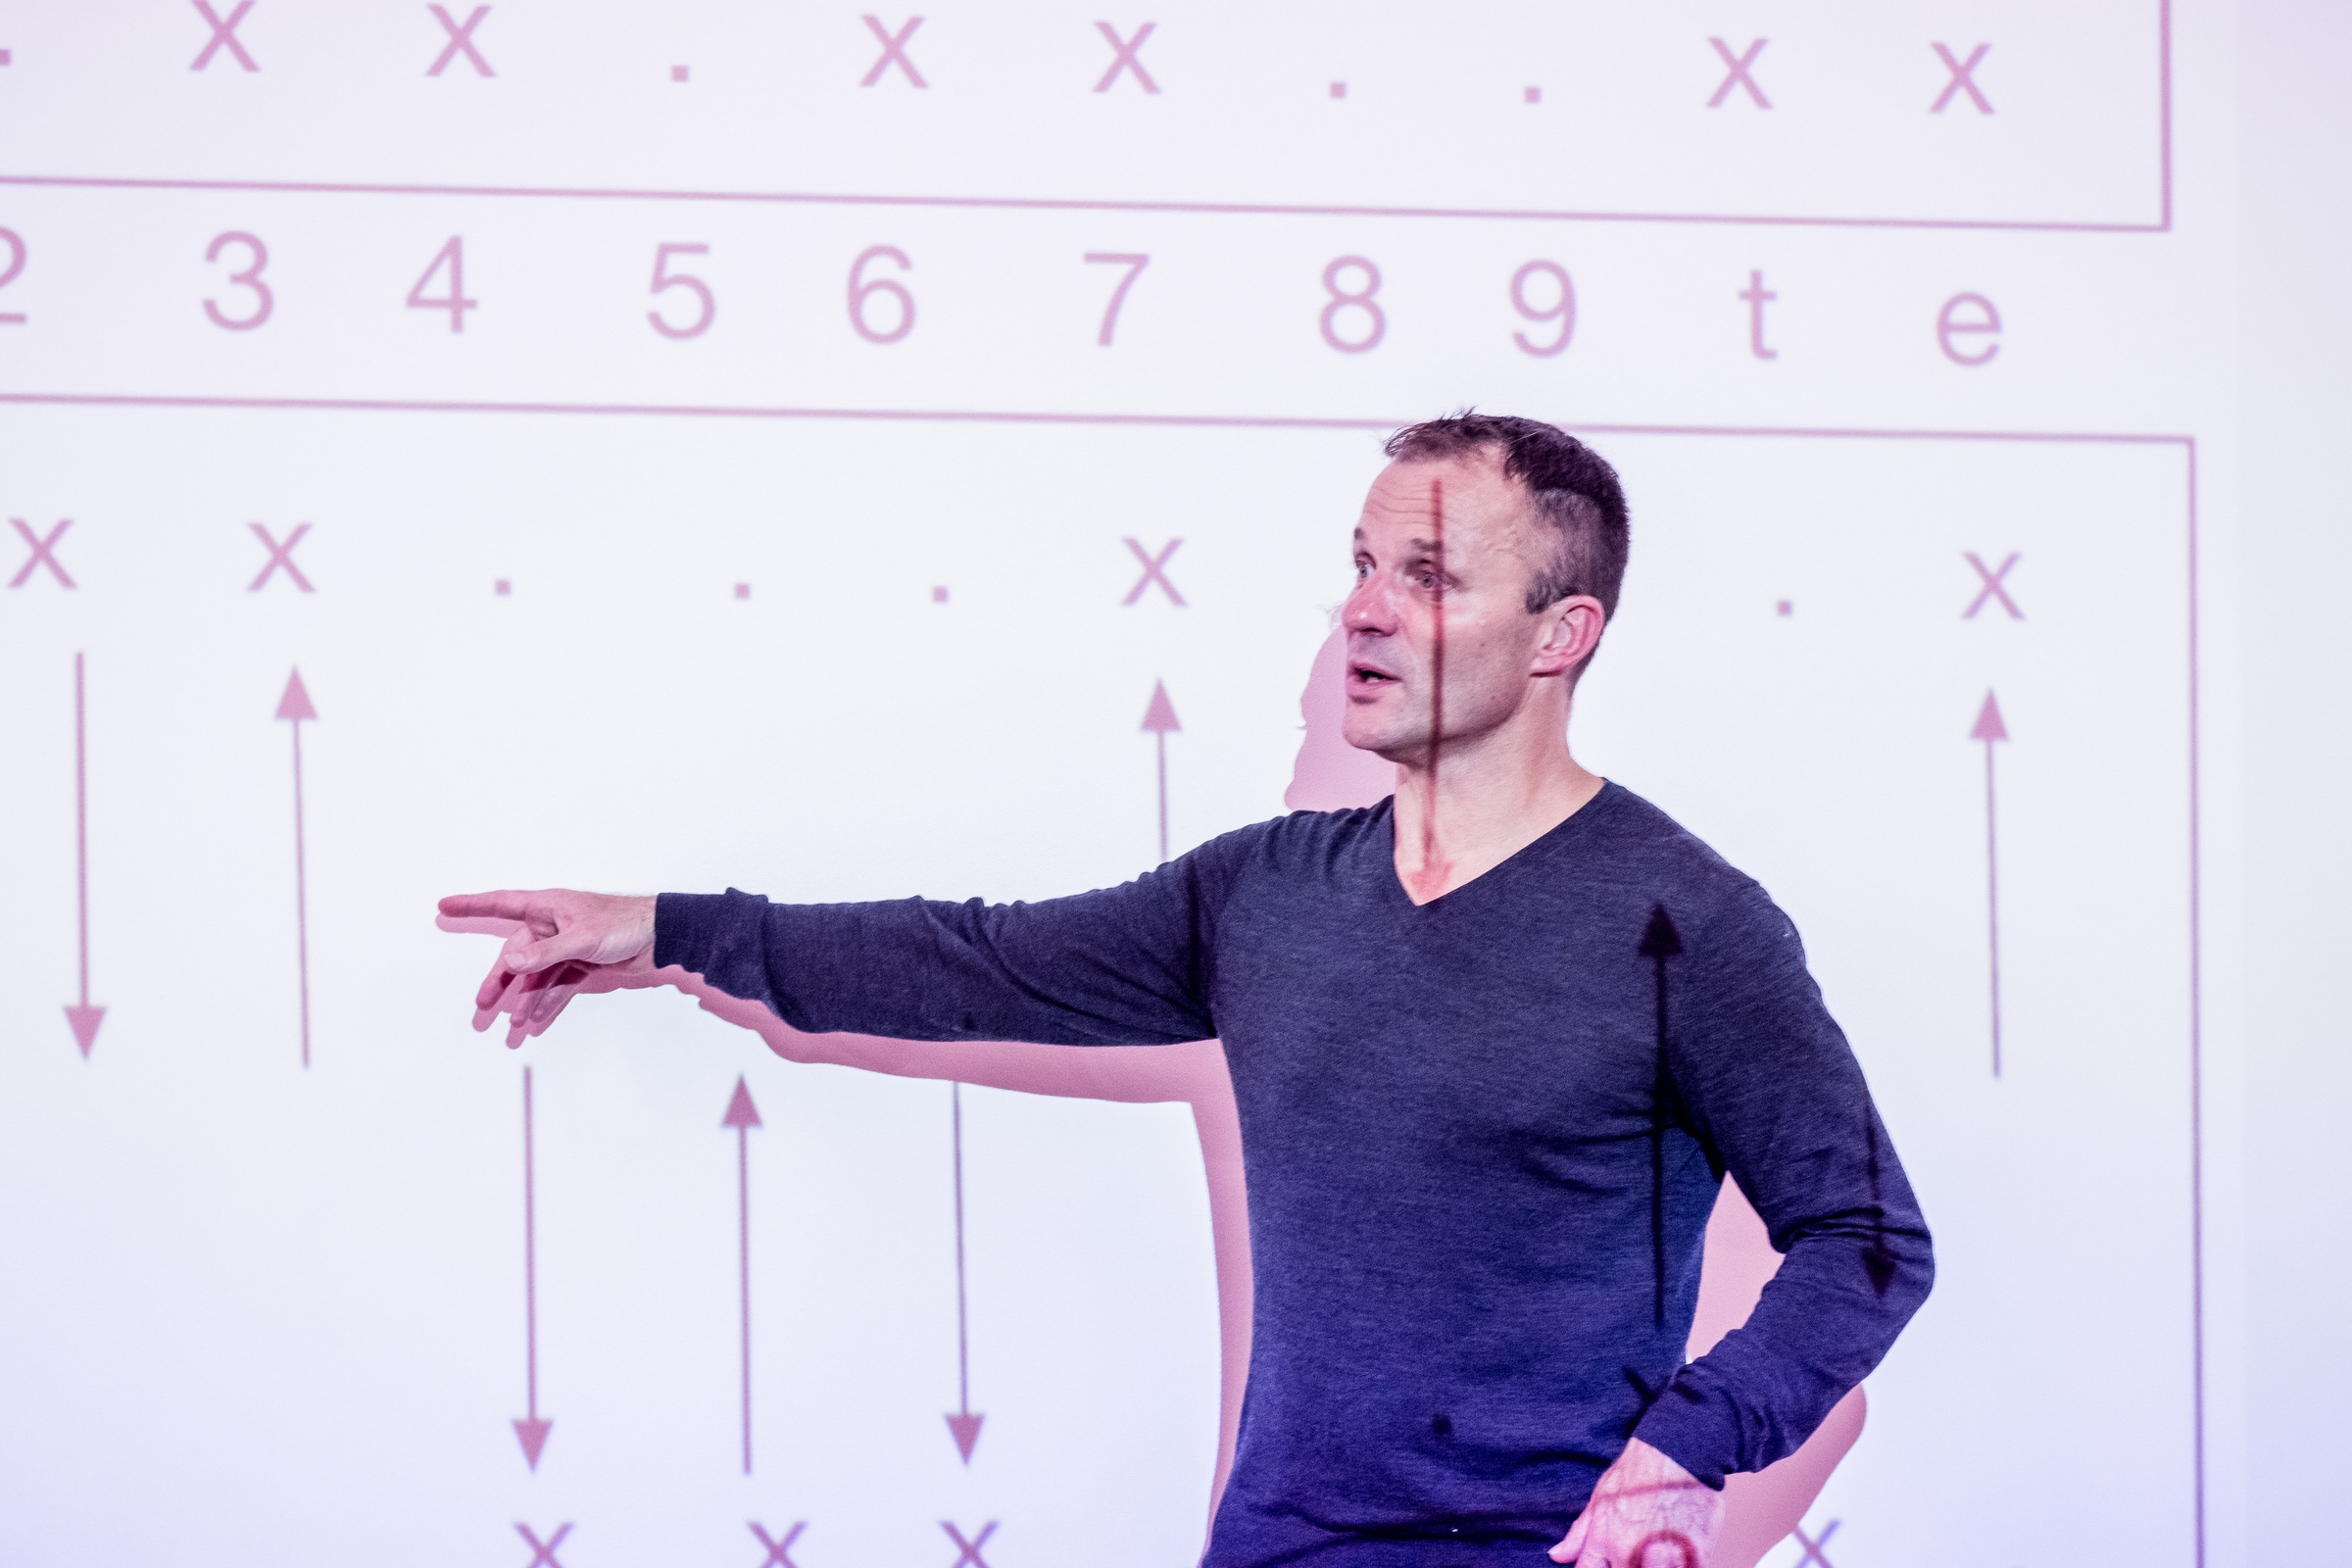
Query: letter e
x,y
1967,316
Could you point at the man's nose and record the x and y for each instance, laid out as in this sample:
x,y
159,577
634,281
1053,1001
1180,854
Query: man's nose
x,y
1371,608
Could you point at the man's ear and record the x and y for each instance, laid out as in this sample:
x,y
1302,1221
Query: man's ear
x,y
1572,630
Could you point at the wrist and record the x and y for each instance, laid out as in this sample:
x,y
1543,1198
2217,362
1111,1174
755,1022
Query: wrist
x,y
639,923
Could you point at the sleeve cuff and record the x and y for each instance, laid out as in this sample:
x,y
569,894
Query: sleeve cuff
x,y
686,927
1688,1427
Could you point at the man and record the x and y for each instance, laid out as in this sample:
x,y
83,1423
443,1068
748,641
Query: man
x,y
1493,1041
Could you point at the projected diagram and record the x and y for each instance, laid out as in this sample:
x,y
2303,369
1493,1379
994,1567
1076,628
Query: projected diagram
x,y
384,319
2005,871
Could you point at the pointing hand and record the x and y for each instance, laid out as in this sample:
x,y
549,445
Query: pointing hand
x,y
567,943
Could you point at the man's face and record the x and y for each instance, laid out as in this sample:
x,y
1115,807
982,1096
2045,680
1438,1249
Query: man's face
x,y
1445,553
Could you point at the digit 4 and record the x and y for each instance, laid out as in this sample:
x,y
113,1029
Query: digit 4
x,y
451,256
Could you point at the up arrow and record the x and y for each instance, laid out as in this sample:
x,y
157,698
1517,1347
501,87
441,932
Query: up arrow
x,y
742,1115
1160,718
294,705
1659,942
1989,729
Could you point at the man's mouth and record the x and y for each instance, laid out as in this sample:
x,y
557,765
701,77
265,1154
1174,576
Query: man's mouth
x,y
1366,677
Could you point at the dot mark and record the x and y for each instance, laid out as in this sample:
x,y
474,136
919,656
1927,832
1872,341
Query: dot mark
x,y
939,596
743,590
1785,608
1338,90
1535,95
503,587
677,72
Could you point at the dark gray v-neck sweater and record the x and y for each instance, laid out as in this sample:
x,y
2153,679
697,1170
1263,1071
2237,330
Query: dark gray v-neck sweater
x,y
1483,1137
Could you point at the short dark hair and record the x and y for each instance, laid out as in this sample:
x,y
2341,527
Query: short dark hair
x,y
1573,488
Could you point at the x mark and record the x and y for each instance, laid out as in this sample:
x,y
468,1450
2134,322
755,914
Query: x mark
x,y
778,1552
44,553
461,41
1963,80
894,51
1126,60
282,555
1154,572
225,35
1740,76
969,1549
1992,589
543,1553
1814,1546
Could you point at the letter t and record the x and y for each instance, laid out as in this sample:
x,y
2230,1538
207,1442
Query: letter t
x,y
1757,296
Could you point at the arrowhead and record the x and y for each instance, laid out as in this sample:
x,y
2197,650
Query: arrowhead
x,y
1659,939
84,1021
296,703
741,1112
1160,716
1988,722
533,1433
966,1431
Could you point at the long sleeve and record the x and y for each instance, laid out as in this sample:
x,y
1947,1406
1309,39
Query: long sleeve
x,y
1117,966
1767,1083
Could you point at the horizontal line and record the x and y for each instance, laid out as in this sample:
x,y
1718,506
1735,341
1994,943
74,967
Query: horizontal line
x,y
1071,203
1862,433
1229,421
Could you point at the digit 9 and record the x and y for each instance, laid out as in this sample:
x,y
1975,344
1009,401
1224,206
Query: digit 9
x,y
14,244
1563,312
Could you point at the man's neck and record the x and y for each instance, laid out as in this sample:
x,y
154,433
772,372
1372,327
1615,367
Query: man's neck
x,y
1479,803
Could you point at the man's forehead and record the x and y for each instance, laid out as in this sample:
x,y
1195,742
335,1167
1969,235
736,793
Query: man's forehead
x,y
1471,476
1410,542
1460,499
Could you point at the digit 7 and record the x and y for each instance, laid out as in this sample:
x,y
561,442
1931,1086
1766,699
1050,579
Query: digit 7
x,y
1135,264
455,302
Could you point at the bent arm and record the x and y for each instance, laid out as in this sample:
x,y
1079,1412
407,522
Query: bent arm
x,y
1117,966
1770,1086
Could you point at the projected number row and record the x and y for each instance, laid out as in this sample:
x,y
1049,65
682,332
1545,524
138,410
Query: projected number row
x,y
880,301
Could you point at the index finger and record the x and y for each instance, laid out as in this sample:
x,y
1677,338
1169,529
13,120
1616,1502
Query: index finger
x,y
504,904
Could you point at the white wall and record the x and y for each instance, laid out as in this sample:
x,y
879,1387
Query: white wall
x,y
2296,160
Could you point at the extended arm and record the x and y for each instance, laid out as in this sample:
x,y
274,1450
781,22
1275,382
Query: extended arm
x,y
1123,966
1117,966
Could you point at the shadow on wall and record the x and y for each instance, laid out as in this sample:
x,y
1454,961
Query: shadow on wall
x,y
1760,1510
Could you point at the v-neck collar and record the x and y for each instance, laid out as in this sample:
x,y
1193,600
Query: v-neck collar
x,y
1543,841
